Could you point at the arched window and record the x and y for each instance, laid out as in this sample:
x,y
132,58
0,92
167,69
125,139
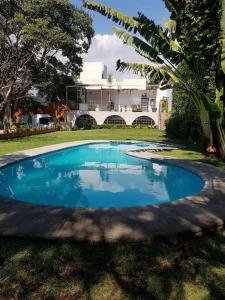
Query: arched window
x,y
115,120
85,121
144,120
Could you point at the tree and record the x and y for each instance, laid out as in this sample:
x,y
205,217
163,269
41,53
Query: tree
x,y
54,90
165,48
220,80
184,121
37,39
182,102
197,29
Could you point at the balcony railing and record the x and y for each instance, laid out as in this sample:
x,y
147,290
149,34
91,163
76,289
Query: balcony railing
x,y
115,107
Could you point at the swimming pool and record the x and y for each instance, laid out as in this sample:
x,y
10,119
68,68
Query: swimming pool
x,y
97,175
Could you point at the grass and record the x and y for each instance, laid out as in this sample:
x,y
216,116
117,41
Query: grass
x,y
188,268
191,152
185,269
68,136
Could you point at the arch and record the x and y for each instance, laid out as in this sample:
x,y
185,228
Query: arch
x,y
114,120
85,121
144,120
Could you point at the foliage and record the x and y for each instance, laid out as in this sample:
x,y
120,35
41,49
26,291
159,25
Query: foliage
x,y
86,125
183,126
110,79
184,123
115,126
166,48
92,107
197,24
136,108
220,82
29,120
222,39
39,40
54,89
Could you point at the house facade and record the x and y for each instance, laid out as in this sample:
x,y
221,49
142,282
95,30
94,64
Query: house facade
x,y
106,100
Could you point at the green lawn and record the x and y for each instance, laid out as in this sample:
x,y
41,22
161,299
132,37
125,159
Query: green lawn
x,y
191,152
68,136
192,269
184,268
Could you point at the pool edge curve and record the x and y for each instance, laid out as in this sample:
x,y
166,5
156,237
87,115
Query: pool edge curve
x,y
191,214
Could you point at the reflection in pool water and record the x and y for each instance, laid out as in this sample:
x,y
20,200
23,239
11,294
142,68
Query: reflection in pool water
x,y
96,175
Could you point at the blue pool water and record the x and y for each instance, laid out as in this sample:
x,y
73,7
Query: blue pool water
x,y
96,175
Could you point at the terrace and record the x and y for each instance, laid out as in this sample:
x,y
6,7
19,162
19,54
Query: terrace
x,y
103,100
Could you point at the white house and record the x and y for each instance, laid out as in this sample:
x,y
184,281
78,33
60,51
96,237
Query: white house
x,y
106,100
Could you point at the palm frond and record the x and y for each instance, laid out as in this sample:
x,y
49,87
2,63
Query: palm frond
x,y
162,72
127,22
171,5
159,38
170,24
140,46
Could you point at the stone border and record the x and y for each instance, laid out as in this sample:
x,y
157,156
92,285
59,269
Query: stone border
x,y
192,214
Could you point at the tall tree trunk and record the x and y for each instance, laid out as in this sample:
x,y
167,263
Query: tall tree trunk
x,y
221,137
206,126
7,117
204,116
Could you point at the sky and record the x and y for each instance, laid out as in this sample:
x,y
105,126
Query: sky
x,y
106,47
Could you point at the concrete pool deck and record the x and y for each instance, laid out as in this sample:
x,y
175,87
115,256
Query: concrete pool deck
x,y
193,214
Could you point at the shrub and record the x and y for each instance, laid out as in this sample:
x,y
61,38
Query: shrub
x,y
183,126
112,126
92,107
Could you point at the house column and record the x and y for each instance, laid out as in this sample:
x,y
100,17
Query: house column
x,y
101,99
109,100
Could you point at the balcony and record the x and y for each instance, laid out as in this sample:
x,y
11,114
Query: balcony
x,y
111,107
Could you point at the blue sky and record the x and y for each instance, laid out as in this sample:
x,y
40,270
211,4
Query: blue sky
x,y
154,9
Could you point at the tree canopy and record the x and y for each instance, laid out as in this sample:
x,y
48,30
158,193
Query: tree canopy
x,y
197,30
38,40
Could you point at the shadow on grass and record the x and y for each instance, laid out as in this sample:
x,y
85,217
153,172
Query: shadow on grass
x,y
192,268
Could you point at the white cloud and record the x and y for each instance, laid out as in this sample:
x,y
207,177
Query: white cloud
x,y
108,49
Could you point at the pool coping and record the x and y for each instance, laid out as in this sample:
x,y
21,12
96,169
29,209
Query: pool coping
x,y
193,214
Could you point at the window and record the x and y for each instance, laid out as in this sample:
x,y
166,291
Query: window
x,y
115,120
144,120
85,121
45,120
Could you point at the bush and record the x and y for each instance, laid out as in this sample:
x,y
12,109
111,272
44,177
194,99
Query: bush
x,y
92,107
112,126
183,126
89,126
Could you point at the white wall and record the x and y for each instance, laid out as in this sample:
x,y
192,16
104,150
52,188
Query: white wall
x,y
100,116
93,71
166,93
